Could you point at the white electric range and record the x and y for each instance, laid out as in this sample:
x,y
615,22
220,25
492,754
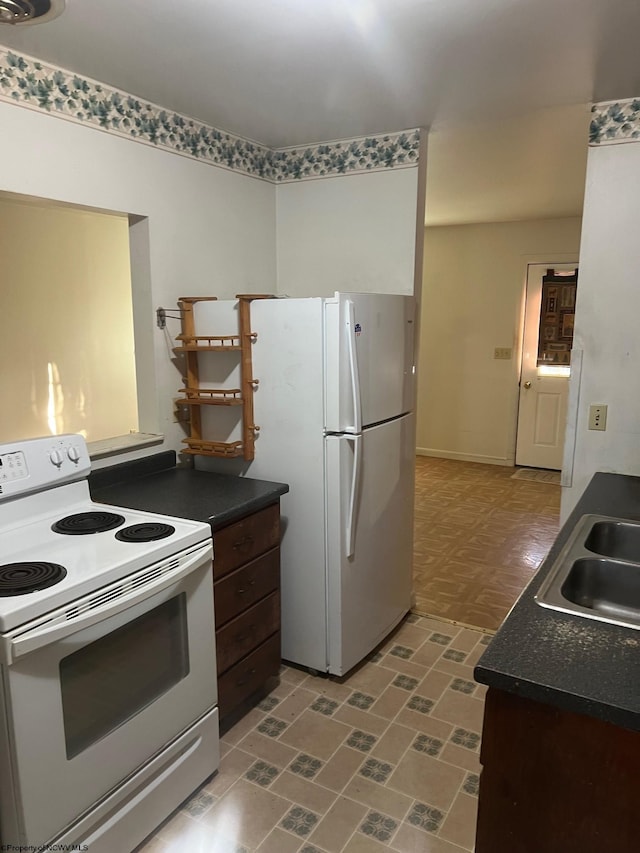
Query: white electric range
x,y
108,714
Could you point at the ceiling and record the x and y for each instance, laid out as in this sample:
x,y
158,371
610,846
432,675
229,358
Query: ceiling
x,y
287,72
527,167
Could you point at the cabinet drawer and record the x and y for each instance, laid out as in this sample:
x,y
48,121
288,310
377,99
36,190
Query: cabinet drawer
x,y
247,631
248,675
247,585
248,538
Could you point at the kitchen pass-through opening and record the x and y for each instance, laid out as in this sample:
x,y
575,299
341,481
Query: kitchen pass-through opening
x,y
79,300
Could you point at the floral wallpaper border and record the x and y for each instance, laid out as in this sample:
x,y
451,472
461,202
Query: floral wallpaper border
x,y
346,156
37,85
615,121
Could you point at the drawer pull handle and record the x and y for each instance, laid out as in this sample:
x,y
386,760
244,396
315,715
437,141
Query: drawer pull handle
x,y
246,588
243,543
243,681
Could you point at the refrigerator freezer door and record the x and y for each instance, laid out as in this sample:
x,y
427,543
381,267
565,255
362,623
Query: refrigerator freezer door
x,y
373,380
369,591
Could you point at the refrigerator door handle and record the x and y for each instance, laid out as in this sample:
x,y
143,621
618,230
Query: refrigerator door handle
x,y
353,366
350,538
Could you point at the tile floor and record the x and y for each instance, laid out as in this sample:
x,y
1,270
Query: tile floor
x,y
385,759
479,538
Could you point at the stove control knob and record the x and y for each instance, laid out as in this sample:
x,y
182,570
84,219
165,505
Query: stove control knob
x,y
56,458
73,453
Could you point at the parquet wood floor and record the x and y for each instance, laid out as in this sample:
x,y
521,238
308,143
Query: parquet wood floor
x,y
479,538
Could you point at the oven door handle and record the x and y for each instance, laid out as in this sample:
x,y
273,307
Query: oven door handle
x,y
21,642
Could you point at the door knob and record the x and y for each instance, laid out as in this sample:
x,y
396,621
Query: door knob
x,y
527,385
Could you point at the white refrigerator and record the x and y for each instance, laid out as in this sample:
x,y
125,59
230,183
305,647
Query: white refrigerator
x,y
334,405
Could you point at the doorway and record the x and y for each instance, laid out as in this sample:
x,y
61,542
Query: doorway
x,y
545,370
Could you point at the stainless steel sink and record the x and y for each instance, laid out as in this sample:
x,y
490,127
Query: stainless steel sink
x,y
597,573
608,587
620,539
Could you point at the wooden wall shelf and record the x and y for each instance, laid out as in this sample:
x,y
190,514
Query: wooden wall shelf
x,y
201,447
194,346
212,397
208,343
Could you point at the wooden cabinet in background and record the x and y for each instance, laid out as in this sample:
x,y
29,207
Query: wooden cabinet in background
x,y
246,589
554,781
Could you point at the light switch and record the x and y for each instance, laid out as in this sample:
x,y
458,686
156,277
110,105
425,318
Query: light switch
x,y
502,352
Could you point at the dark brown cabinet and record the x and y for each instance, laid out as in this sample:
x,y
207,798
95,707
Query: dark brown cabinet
x,y
246,589
554,781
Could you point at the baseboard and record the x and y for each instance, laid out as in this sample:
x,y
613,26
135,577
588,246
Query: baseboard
x,y
464,457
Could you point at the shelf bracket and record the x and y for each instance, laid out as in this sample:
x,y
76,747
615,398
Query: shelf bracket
x,y
163,313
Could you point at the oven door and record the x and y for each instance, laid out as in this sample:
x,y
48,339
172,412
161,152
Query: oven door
x,y
95,692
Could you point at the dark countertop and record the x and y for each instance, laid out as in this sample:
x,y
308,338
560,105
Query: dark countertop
x,y
574,663
155,484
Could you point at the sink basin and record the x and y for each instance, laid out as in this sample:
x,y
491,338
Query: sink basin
x,y
607,587
597,573
620,539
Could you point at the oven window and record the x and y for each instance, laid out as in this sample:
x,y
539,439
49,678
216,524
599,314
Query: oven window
x,y
107,682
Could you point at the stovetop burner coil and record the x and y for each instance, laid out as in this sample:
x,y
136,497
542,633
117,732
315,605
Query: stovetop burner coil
x,y
146,532
87,522
20,578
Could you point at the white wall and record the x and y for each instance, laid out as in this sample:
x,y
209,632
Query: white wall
x,y
210,231
195,229
350,233
607,326
473,290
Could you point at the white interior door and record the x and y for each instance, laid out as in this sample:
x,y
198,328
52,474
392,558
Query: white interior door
x,y
544,389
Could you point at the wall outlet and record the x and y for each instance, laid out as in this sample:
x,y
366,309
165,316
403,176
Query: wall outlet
x,y
502,352
597,416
